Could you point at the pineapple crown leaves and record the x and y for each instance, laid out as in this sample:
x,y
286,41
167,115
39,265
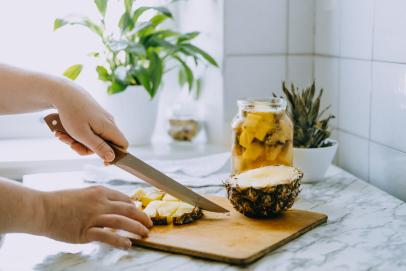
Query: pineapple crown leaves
x,y
310,129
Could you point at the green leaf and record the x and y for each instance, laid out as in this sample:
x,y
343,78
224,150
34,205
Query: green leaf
x,y
187,37
139,11
128,4
58,23
103,73
158,19
181,77
199,51
116,87
155,70
188,72
92,26
94,54
101,6
142,76
165,11
126,22
73,71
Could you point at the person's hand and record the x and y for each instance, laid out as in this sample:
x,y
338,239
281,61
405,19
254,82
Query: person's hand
x,y
88,125
80,215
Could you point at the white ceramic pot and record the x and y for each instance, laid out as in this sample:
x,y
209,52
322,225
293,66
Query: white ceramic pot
x,y
314,162
134,112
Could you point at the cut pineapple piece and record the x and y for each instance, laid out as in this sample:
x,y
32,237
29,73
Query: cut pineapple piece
x,y
151,196
164,208
273,152
186,213
246,138
261,131
169,197
138,204
285,157
252,152
251,121
151,209
238,163
286,128
138,194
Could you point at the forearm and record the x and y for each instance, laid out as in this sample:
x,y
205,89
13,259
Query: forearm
x,y
21,209
24,91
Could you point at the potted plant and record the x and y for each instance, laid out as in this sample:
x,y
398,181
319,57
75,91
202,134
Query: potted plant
x,y
136,54
314,150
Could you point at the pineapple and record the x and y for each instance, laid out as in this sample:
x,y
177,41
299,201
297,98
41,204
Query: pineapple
x,y
310,131
164,209
264,192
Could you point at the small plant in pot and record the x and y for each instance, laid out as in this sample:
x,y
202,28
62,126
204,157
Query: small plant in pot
x,y
313,148
138,49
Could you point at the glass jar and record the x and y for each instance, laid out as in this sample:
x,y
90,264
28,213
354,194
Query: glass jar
x,y
262,134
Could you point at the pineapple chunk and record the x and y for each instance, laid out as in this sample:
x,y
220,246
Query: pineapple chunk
x,y
138,194
286,128
246,138
161,212
238,164
286,155
151,196
252,152
269,117
273,152
168,197
261,131
183,208
138,204
251,121
151,209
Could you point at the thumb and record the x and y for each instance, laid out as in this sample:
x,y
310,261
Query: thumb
x,y
100,147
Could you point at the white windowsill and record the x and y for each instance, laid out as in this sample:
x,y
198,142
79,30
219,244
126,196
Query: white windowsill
x,y
27,156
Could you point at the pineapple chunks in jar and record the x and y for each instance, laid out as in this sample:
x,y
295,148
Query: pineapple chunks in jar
x,y
261,139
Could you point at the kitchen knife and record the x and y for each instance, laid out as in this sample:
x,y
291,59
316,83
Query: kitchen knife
x,y
142,170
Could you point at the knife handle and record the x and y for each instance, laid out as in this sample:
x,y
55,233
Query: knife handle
x,y
55,125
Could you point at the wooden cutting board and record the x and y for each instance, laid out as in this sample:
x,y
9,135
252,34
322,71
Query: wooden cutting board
x,y
231,238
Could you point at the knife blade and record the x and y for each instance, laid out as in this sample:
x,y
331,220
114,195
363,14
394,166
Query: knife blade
x,y
147,173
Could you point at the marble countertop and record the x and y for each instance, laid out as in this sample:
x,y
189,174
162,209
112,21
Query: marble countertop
x,y
366,230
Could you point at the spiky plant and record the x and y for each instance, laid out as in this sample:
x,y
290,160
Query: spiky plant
x,y
310,129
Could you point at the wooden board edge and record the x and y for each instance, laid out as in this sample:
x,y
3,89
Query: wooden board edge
x,y
262,253
230,260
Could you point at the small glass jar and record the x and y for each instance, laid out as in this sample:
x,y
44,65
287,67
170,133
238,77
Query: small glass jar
x,y
262,134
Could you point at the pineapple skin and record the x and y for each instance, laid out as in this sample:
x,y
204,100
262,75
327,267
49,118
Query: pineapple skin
x,y
264,202
188,217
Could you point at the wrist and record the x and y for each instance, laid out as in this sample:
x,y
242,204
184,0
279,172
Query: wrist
x,y
43,213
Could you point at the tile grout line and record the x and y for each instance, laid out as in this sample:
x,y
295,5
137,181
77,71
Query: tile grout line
x,y
368,140
371,91
339,78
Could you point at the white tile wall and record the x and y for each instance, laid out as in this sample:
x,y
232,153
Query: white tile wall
x,y
300,70
354,52
301,26
388,112
353,154
254,76
390,25
388,170
356,28
255,27
327,36
355,89
327,75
